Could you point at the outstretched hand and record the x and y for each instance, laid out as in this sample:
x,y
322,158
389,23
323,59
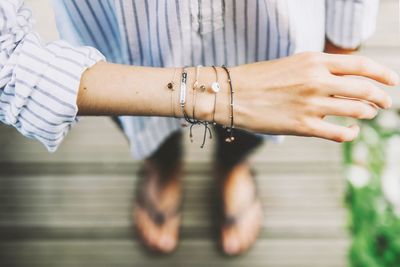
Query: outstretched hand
x,y
293,95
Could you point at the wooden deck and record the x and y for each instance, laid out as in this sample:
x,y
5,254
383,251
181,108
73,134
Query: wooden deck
x,y
73,208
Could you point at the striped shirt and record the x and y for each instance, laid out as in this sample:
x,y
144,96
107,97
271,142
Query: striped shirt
x,y
39,82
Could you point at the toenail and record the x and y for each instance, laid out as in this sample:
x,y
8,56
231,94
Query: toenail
x,y
232,246
167,243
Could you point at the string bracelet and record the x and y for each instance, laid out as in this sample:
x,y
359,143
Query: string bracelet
x,y
215,88
182,96
197,87
230,138
171,87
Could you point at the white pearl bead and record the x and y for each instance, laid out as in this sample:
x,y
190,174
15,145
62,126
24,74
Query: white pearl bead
x,y
215,87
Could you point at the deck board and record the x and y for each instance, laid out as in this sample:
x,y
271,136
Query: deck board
x,y
73,208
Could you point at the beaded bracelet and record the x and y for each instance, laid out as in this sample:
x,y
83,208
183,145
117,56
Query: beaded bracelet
x,y
215,88
230,137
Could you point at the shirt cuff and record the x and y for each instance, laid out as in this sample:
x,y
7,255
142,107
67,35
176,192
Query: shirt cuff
x,y
40,99
350,22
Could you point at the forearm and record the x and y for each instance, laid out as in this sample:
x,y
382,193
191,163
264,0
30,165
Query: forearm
x,y
112,89
285,96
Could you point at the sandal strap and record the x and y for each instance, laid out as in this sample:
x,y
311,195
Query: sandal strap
x,y
157,216
230,220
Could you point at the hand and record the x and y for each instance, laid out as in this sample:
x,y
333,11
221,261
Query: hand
x,y
293,95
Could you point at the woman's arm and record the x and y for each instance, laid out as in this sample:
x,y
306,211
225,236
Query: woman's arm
x,y
286,96
39,86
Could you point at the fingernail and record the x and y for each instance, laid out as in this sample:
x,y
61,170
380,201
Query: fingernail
x,y
357,131
394,77
390,102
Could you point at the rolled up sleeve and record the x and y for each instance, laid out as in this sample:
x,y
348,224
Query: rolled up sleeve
x,y
38,82
350,22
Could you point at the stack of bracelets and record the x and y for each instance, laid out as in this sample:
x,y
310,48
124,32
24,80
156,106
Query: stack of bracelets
x,y
215,89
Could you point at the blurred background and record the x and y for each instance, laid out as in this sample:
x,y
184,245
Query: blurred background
x,y
325,204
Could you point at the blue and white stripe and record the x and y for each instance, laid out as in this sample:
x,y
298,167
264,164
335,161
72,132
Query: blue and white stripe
x,y
38,94
39,82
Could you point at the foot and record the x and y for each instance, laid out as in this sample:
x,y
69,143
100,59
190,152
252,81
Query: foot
x,y
242,210
157,211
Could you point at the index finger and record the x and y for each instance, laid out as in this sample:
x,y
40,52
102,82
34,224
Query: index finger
x,y
361,66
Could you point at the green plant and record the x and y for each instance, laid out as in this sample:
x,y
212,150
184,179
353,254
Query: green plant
x,y
372,164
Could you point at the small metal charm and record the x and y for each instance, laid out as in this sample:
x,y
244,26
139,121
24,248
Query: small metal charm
x,y
195,85
215,87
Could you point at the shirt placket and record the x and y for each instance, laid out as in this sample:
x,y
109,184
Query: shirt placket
x,y
195,16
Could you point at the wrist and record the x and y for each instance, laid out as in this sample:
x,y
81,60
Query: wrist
x,y
214,106
202,104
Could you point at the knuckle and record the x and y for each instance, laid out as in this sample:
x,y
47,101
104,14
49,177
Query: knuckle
x,y
375,95
313,81
301,124
360,111
312,59
307,126
362,63
369,91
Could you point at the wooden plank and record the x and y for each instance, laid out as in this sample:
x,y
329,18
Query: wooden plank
x,y
82,145
296,205
279,253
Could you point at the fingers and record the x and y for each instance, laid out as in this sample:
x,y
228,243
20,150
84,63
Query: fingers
x,y
337,133
346,108
360,66
359,89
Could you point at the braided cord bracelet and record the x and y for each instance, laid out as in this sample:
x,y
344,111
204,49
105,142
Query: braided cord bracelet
x,y
230,138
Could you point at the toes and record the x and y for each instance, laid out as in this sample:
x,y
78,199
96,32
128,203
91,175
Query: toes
x,y
231,244
167,243
163,238
238,238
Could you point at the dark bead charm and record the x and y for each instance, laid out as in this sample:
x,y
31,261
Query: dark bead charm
x,y
170,86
